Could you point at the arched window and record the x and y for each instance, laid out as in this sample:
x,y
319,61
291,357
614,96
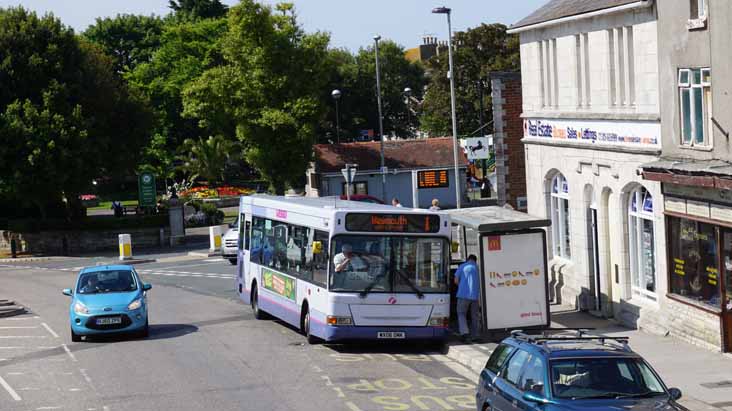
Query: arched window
x,y
641,243
560,216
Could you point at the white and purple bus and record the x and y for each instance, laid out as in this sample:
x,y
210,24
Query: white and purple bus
x,y
343,270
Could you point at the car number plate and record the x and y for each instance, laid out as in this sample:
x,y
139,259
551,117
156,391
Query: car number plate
x,y
109,321
390,335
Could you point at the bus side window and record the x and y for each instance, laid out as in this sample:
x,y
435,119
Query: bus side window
x,y
297,250
247,235
321,261
257,240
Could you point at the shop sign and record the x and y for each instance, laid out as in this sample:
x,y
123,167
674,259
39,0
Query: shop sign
x,y
697,208
603,132
675,205
714,195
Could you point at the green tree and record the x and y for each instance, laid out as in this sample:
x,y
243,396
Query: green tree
x,y
478,51
130,39
268,89
65,116
355,77
207,158
186,50
198,9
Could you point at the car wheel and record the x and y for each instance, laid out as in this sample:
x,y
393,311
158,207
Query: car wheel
x,y
306,329
258,314
75,337
145,330
232,261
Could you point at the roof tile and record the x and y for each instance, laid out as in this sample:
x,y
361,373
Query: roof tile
x,y
557,9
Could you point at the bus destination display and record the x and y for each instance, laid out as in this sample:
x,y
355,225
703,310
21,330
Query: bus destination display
x,y
432,179
399,223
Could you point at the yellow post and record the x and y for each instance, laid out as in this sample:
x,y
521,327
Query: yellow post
x,y
125,247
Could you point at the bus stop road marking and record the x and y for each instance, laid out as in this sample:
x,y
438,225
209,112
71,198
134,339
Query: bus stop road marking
x,y
50,331
10,390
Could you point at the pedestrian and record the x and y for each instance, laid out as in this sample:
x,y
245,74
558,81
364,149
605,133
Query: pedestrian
x,y
466,278
395,202
486,188
435,205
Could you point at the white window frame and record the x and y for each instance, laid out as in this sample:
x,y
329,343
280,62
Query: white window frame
x,y
702,87
561,232
701,9
635,243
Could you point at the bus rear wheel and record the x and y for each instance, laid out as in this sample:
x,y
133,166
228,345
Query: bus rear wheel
x,y
306,329
258,314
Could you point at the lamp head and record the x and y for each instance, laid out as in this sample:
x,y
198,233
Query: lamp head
x,y
441,10
377,37
336,94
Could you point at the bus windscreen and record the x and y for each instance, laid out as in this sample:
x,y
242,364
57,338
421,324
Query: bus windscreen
x,y
396,223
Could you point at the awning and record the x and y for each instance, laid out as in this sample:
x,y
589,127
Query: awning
x,y
701,173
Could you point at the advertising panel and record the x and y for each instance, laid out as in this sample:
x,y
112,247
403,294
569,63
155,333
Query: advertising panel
x,y
635,133
279,284
515,280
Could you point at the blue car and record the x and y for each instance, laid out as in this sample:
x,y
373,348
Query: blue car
x,y
108,299
570,370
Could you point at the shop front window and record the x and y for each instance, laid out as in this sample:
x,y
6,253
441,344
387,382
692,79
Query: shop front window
x,y
560,216
727,267
641,243
694,261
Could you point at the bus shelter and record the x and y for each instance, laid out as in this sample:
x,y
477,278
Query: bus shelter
x,y
512,261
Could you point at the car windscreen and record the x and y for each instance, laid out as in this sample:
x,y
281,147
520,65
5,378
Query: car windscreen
x,y
603,377
394,264
113,281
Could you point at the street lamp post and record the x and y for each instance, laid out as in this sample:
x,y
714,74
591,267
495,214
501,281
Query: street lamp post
x,y
337,96
447,11
381,125
407,95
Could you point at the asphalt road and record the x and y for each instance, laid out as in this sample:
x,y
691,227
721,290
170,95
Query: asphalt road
x,y
205,352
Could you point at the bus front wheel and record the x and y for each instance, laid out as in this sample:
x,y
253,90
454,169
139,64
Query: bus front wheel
x,y
306,328
258,314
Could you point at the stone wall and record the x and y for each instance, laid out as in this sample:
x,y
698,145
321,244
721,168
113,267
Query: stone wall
x,y
79,242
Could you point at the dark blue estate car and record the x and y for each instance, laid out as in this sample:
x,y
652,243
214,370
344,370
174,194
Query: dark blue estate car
x,y
570,371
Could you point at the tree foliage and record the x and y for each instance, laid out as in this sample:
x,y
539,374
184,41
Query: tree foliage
x,y
198,9
268,90
477,52
130,39
355,77
186,50
65,117
206,158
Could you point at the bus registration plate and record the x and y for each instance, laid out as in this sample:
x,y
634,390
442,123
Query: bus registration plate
x,y
391,335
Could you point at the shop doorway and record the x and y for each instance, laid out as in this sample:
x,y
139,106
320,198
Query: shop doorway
x,y
726,263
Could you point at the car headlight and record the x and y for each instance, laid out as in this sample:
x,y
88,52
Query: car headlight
x,y
80,308
135,304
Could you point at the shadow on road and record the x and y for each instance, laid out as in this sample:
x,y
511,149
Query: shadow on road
x,y
157,332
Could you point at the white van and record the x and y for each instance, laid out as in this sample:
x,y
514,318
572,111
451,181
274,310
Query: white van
x,y
230,241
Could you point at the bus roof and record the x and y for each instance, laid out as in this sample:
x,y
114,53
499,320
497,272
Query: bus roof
x,y
327,204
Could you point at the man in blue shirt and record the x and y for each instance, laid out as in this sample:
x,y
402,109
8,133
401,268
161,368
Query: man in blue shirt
x,y
467,280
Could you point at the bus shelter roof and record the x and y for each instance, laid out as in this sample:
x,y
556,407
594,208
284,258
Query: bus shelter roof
x,y
494,218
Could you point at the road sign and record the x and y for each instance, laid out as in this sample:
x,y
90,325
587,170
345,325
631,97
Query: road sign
x,y
146,190
478,148
348,173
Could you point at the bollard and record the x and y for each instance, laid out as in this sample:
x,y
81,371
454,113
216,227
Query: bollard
x,y
214,235
125,247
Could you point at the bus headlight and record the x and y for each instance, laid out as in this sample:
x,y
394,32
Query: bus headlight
x,y
335,320
439,322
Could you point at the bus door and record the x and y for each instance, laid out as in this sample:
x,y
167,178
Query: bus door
x,y
245,245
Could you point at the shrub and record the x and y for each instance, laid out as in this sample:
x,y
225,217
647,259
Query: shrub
x,y
29,225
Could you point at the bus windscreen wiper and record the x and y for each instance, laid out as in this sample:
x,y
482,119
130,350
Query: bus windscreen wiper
x,y
411,285
369,287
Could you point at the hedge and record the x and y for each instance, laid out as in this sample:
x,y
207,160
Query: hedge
x,y
88,224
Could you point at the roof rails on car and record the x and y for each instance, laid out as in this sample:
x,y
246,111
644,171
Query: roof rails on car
x,y
546,336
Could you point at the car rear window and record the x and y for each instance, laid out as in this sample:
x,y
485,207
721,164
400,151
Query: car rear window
x,y
498,358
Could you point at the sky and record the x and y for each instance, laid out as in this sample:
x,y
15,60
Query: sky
x,y
352,23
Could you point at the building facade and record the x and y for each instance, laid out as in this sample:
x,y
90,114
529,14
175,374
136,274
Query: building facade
x,y
591,116
695,171
418,171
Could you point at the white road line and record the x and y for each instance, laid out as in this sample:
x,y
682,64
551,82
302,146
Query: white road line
x,y
15,373
19,318
71,355
10,390
74,389
21,336
48,408
50,331
24,327
86,376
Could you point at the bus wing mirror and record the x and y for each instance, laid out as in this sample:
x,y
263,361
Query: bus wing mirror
x,y
317,247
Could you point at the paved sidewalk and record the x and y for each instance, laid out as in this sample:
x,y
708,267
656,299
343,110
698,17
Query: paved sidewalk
x,y
704,377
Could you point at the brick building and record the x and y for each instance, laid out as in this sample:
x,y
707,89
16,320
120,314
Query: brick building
x,y
508,130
